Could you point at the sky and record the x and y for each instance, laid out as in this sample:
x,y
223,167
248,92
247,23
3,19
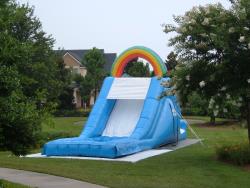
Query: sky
x,y
112,25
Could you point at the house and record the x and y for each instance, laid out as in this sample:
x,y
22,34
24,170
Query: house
x,y
72,60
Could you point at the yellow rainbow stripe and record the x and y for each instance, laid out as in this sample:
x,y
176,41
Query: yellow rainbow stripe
x,y
138,52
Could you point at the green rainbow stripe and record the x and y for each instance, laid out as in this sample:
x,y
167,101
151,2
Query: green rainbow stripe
x,y
138,52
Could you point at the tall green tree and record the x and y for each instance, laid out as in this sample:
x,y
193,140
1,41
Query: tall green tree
x,y
85,86
213,44
19,117
65,98
94,62
29,84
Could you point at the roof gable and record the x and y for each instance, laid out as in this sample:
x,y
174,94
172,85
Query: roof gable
x,y
76,60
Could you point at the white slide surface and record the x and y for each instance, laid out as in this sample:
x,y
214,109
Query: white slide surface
x,y
123,118
129,88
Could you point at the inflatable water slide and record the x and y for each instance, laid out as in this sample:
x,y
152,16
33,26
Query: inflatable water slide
x,y
129,116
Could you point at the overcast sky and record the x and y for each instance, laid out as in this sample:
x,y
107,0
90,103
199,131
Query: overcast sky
x,y
113,25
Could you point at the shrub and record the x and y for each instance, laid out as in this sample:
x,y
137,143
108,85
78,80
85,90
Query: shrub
x,y
238,154
71,113
20,124
196,105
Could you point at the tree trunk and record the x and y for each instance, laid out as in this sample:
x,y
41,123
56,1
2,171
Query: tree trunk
x,y
248,118
212,120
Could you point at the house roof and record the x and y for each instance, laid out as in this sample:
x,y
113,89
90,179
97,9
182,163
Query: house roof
x,y
79,54
110,58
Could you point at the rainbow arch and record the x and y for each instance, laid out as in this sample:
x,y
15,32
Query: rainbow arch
x,y
125,57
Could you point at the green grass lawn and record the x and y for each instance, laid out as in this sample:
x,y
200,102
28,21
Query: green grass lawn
x,y
72,125
194,166
7,184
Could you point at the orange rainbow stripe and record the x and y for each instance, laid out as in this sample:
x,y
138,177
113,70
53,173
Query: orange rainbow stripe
x,y
138,52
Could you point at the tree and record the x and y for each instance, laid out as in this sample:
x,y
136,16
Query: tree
x,y
29,84
213,44
85,86
94,62
137,68
65,99
19,118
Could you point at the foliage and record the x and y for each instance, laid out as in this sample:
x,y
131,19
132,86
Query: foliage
x,y
85,85
7,184
94,62
137,69
238,154
29,84
19,118
20,124
171,61
213,46
65,99
71,113
196,105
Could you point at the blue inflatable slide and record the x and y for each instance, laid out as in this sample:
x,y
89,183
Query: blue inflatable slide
x,y
129,116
